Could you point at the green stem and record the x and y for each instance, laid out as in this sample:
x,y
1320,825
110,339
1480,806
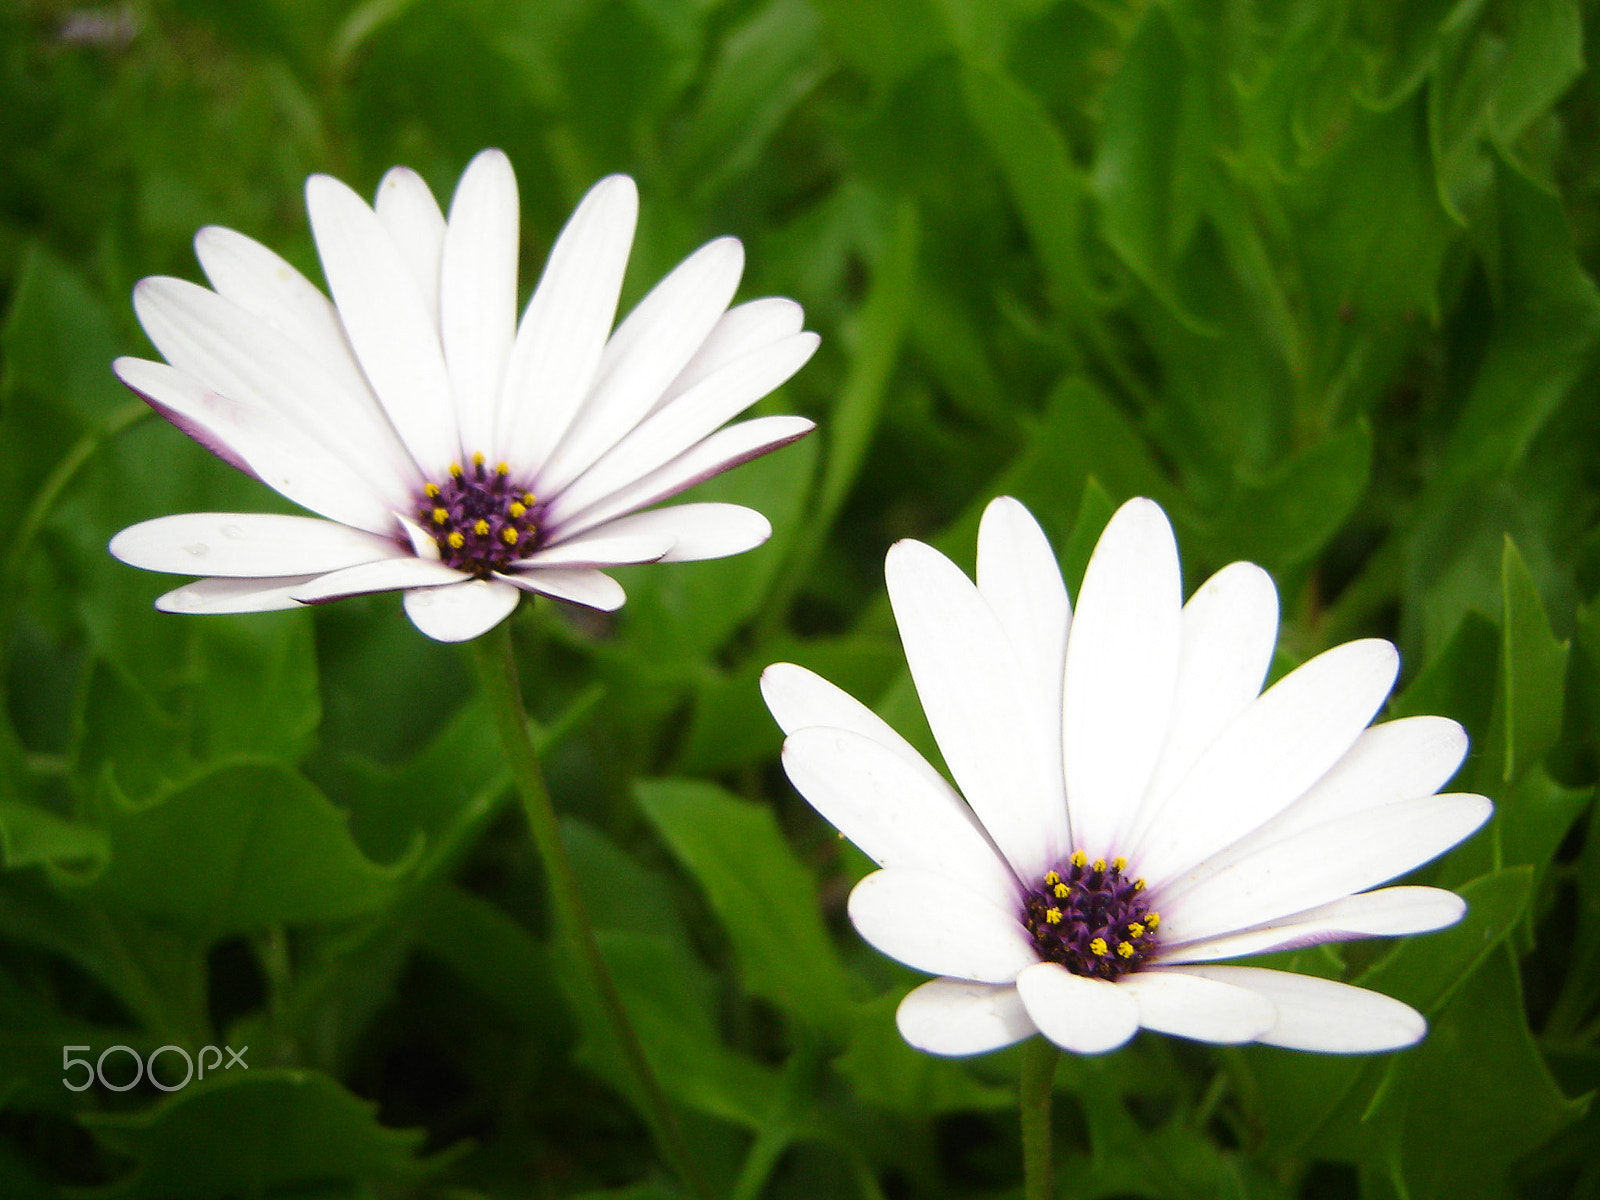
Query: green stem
x,y
497,667
1039,1059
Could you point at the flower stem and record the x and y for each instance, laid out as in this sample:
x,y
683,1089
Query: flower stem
x,y
497,667
1039,1059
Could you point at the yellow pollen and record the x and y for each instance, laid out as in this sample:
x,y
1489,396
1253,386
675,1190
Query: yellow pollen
x,y
440,516
1136,930
1138,885
1125,949
430,490
455,469
1079,858
509,536
1099,865
1051,879
1061,890
477,458
528,497
1153,920
456,540
1119,863
1098,947
517,511
481,528
502,467
1053,915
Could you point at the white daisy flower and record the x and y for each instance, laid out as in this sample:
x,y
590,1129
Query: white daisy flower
x,y
449,450
1135,808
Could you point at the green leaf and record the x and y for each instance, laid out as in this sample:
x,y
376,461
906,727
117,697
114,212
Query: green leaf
x,y
58,342
1532,676
883,41
242,846
31,835
261,1133
1458,680
1544,54
883,1070
256,685
489,951
765,899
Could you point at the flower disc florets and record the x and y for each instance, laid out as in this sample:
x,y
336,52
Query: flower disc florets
x,y
481,520
1091,918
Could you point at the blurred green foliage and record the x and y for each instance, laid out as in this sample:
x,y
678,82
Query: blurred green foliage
x,y
1318,275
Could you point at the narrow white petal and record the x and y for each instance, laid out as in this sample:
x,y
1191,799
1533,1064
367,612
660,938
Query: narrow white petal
x,y
1121,671
213,340
233,595
697,531
1316,866
1194,1007
245,272
459,612
800,698
897,809
1322,1014
1387,912
478,293
1086,1016
388,575
971,685
576,585
645,354
1226,637
407,209
261,442
936,925
423,543
742,329
957,1017
565,325
1268,757
720,452
1018,576
392,332
687,421
603,547
255,545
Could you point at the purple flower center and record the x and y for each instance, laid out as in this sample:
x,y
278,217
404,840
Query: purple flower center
x,y
482,521
1091,918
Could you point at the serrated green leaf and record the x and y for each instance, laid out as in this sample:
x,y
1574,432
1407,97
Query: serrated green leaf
x,y
764,898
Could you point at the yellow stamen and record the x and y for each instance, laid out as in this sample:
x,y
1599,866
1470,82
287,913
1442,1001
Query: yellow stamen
x,y
1061,890
502,467
477,458
528,497
430,490
481,527
456,540
517,510
1079,858
509,536
1136,930
1138,885
1053,915
1098,947
1099,866
1051,879
440,516
1153,920
455,469
1125,949
1119,863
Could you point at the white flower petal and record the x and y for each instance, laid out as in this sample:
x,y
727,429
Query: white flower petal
x,y
255,545
603,547
1387,912
697,531
233,595
1268,757
1322,1014
1227,633
388,575
423,543
1018,576
459,612
1316,866
1121,672
478,293
977,704
394,336
645,354
956,1017
722,451
688,420
1195,1007
262,443
800,698
936,925
577,585
1086,1016
565,325
742,329
213,340
407,209
900,812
